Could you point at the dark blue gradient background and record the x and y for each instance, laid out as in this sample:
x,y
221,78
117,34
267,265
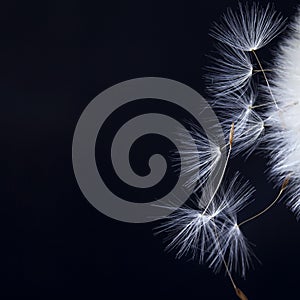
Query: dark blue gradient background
x,y
55,57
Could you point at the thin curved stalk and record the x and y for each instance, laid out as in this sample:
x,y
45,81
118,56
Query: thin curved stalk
x,y
283,187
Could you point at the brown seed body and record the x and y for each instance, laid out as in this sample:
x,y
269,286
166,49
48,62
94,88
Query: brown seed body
x,y
240,294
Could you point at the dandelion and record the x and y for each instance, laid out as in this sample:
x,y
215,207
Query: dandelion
x,y
190,232
230,72
201,231
249,28
209,229
283,137
234,246
197,163
249,125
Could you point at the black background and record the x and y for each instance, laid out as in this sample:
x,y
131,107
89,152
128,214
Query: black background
x,y
55,57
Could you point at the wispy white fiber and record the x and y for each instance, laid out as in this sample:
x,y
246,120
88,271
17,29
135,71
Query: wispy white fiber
x,y
283,138
229,72
249,125
249,28
197,164
234,247
208,234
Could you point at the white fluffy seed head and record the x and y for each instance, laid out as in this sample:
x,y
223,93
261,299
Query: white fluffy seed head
x,y
229,71
207,233
234,249
249,28
239,108
245,30
283,138
197,163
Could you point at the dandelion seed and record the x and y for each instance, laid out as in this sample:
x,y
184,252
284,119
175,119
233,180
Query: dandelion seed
x,y
240,110
234,248
197,165
229,73
231,246
249,28
199,230
191,229
240,294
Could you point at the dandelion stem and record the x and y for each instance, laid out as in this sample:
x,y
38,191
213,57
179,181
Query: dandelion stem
x,y
259,105
265,76
229,273
228,144
264,70
283,187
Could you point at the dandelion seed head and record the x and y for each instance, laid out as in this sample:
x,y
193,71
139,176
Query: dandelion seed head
x,y
206,232
249,28
239,109
283,137
190,232
234,247
197,164
229,72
